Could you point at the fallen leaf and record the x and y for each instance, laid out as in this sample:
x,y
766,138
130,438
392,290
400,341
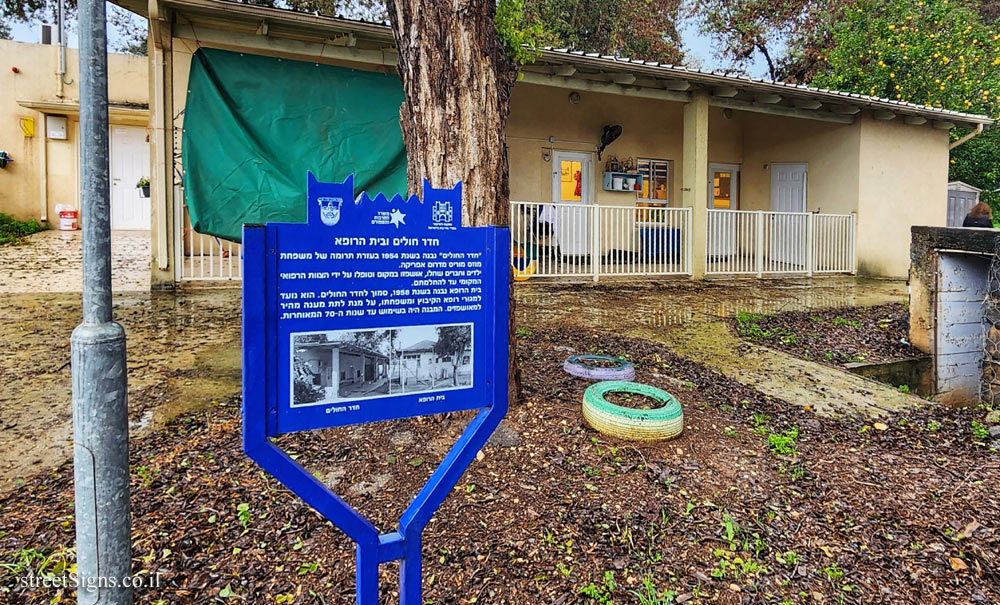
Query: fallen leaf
x,y
957,564
971,527
880,426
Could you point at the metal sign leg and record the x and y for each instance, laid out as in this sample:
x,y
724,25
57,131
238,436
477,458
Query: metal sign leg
x,y
410,569
366,574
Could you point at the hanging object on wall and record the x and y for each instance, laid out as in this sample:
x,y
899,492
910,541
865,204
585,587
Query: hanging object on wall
x,y
28,126
56,128
611,133
5,159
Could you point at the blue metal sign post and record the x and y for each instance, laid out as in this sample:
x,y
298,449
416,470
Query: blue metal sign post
x,y
374,309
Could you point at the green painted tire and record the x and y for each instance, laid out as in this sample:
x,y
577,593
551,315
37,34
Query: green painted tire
x,y
664,422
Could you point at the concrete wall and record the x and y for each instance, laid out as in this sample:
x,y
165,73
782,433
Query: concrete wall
x,y
904,182
46,172
353,365
654,129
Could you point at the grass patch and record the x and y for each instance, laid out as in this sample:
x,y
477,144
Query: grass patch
x,y
747,327
784,443
852,323
12,229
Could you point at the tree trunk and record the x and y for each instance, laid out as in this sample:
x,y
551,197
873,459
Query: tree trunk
x,y
457,80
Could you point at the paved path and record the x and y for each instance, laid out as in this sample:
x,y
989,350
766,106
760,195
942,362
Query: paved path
x,y
52,261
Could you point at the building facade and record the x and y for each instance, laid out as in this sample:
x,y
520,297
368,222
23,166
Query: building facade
x,y
707,174
40,131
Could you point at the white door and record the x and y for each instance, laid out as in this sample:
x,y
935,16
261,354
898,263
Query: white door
x,y
787,232
129,163
573,194
723,194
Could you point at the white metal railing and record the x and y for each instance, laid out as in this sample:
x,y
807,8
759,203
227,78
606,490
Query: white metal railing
x,y
589,241
568,239
763,242
200,257
834,243
643,241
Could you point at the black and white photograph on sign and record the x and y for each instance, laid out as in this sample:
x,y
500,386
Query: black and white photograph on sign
x,y
335,366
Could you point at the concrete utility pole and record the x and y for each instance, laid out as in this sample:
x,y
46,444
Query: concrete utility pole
x,y
100,407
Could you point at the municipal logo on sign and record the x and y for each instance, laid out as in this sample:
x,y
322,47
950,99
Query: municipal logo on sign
x,y
329,210
442,215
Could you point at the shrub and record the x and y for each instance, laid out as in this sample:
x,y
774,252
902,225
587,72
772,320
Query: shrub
x,y
12,229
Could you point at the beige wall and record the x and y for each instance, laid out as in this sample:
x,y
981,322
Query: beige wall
x,y
650,128
46,172
653,128
829,149
904,182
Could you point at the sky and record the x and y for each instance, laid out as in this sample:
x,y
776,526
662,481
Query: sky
x,y
696,45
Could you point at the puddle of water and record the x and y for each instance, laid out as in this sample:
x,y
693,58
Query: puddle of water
x,y
678,302
184,348
183,353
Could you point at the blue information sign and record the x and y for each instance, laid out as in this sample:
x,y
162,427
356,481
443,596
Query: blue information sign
x,y
374,309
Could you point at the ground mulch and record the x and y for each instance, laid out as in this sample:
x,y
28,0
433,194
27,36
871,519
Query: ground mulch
x,y
836,336
758,501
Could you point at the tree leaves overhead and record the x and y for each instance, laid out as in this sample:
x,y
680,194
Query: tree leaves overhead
x,y
936,52
744,28
27,10
644,29
367,10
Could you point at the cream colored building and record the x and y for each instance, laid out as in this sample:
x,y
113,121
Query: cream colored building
x,y
733,175
39,128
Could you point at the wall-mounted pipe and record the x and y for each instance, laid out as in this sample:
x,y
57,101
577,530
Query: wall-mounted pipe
x,y
975,133
61,25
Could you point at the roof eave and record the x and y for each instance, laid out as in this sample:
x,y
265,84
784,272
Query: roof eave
x,y
299,25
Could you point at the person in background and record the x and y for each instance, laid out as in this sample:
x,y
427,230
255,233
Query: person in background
x,y
979,216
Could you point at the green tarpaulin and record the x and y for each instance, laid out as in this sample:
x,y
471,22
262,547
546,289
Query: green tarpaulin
x,y
254,125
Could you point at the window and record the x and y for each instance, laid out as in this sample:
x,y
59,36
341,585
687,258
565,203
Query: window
x,y
343,375
570,179
655,182
357,373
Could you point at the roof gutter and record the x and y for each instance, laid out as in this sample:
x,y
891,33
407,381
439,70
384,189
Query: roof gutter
x,y
975,133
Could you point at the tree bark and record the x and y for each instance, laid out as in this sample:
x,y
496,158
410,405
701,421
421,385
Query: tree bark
x,y
457,80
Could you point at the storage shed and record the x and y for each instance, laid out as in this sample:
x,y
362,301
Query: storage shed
x,y
961,198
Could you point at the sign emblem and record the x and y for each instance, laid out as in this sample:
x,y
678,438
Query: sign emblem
x,y
442,212
329,210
